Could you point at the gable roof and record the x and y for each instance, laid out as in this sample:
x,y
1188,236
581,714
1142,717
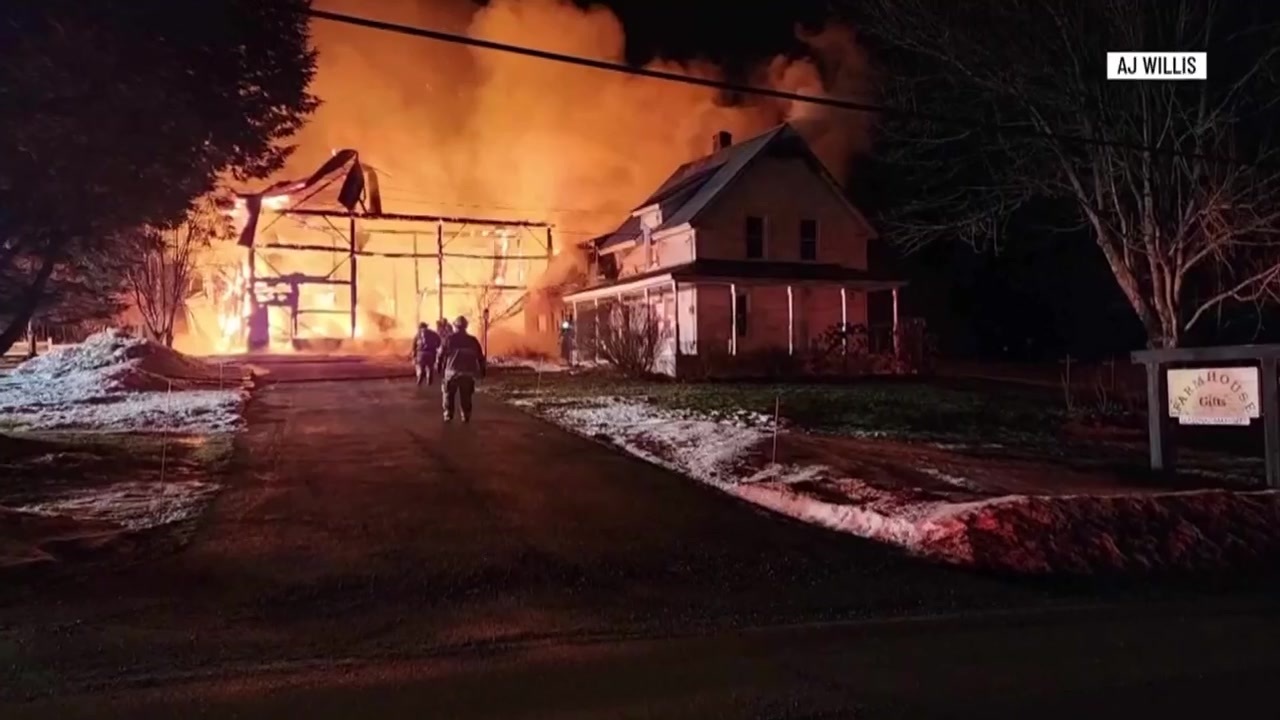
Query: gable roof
x,y
696,184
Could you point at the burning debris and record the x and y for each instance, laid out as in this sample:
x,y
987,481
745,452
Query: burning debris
x,y
319,268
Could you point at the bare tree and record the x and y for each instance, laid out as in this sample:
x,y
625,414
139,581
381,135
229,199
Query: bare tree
x,y
495,303
162,264
1182,196
631,338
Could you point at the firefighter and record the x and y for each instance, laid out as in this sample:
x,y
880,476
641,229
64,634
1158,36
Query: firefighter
x,y
566,341
463,363
426,344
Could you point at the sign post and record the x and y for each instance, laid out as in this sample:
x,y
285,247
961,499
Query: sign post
x,y
1212,386
1271,420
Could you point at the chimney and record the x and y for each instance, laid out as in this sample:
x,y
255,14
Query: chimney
x,y
722,140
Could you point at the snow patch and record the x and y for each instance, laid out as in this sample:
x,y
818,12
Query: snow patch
x,y
925,527
134,505
116,382
1017,533
957,481
705,449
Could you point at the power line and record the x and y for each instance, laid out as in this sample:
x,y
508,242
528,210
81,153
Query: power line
x,y
838,103
405,195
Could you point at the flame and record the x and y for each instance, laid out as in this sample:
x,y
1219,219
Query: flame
x,y
275,202
233,306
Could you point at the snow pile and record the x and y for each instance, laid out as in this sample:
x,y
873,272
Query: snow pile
x,y
113,381
1009,533
913,520
133,505
686,442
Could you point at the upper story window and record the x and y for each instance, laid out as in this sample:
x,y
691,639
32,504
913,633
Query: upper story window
x,y
808,239
755,237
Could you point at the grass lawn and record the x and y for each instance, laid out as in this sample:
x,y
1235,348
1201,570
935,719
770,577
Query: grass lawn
x,y
902,408
982,419
36,464
73,499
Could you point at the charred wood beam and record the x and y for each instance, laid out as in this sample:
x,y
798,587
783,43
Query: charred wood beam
x,y
413,218
294,279
369,253
484,286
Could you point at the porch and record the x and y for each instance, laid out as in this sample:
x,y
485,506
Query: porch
x,y
758,319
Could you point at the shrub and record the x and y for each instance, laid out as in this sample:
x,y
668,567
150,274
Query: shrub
x,y
630,339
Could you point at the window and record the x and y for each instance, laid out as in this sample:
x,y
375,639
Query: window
x,y
755,237
741,308
808,239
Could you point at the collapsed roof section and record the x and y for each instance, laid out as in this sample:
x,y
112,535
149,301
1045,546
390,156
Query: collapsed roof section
x,y
321,191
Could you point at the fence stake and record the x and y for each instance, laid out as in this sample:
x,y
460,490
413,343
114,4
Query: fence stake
x,y
1067,381
164,436
777,405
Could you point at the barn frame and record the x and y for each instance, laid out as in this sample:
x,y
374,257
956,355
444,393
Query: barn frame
x,y
299,238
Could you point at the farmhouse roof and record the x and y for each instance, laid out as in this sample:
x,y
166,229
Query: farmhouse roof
x,y
693,186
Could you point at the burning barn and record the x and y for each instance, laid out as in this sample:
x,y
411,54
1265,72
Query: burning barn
x,y
318,264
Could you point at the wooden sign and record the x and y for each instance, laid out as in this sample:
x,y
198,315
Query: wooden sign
x,y
1213,396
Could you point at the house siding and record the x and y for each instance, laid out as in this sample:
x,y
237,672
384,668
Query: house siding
x,y
768,324
669,251
820,311
784,191
714,319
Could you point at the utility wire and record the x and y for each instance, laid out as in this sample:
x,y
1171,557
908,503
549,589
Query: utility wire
x,y
406,195
839,103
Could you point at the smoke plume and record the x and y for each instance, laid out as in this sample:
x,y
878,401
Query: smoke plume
x,y
462,131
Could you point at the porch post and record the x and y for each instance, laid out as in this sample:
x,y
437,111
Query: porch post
x,y
575,353
897,338
733,319
675,306
595,350
791,324
844,321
